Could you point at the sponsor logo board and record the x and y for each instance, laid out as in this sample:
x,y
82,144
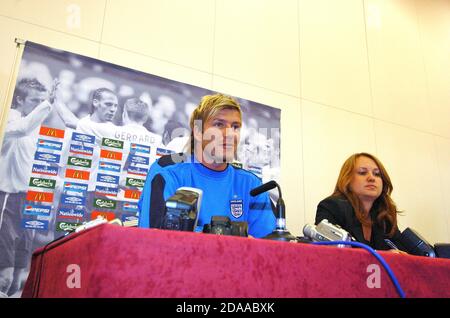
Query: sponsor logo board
x,y
47,157
51,132
30,224
109,216
70,213
112,143
81,149
112,155
77,174
79,162
37,209
45,169
83,138
49,144
42,183
36,196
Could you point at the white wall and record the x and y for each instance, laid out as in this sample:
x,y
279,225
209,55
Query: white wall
x,y
348,75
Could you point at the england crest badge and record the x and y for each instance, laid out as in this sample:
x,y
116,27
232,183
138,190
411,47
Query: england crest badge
x,y
236,208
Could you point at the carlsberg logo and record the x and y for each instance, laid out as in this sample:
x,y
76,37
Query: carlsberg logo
x,y
106,204
42,183
66,226
112,143
131,182
80,162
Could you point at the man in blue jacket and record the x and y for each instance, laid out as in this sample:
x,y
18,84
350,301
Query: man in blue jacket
x,y
215,132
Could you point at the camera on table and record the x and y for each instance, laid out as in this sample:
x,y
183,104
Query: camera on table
x,y
182,210
222,225
325,231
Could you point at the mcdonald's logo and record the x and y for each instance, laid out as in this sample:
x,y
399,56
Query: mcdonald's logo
x,y
51,132
107,215
77,174
114,155
40,196
132,194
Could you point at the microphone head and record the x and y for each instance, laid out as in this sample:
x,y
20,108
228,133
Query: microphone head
x,y
263,188
308,230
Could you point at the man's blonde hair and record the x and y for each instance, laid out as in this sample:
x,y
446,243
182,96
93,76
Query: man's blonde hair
x,y
209,106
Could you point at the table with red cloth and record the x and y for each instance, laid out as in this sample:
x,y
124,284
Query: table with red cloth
x,y
115,261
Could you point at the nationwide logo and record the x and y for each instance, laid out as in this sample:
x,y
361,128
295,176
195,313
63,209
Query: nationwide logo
x,y
108,166
163,152
83,138
106,191
39,196
48,157
75,186
51,132
113,143
81,150
107,178
72,200
77,174
133,182
79,162
66,226
42,183
34,224
36,209
139,160
132,194
140,148
104,203
137,171
68,213
49,144
109,216
113,155
45,169
130,207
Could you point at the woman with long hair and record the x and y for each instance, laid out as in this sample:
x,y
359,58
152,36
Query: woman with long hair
x,y
361,203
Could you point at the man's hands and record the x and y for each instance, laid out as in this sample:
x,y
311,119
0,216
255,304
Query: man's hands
x,y
52,94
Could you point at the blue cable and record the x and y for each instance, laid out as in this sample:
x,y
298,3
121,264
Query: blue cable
x,y
374,253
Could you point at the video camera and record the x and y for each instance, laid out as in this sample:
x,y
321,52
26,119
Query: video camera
x,y
325,231
182,210
222,225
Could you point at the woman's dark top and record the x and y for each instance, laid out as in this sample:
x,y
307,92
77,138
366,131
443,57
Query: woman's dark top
x,y
338,210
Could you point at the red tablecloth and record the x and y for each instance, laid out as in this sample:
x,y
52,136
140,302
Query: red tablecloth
x,y
132,262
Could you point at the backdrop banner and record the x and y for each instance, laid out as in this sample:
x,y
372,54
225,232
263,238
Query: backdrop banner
x,y
80,137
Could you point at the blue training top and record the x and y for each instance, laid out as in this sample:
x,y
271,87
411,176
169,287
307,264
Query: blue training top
x,y
225,193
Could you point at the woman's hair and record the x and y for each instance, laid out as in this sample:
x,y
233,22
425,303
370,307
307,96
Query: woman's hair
x,y
384,205
209,106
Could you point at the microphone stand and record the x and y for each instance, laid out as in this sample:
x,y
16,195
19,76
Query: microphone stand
x,y
280,233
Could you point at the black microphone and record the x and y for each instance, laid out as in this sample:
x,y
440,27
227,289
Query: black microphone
x,y
263,188
280,233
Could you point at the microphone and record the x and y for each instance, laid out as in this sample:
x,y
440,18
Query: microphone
x,y
280,233
263,188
